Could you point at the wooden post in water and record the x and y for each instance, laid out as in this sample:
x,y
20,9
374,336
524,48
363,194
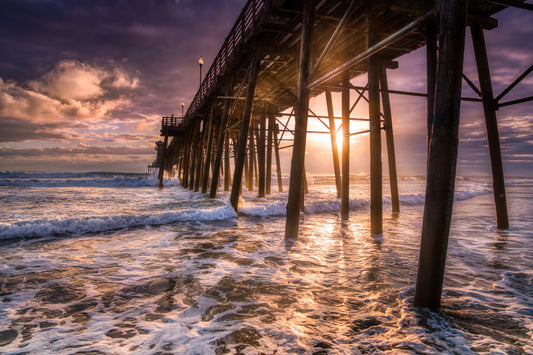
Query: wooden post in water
x,y
489,107
218,152
431,59
227,169
300,128
334,147
345,187
442,154
251,156
389,134
243,133
186,159
194,153
180,159
256,154
200,156
261,152
374,113
208,154
163,161
268,177
278,163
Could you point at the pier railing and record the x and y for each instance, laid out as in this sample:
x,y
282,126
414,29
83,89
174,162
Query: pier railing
x,y
171,121
248,21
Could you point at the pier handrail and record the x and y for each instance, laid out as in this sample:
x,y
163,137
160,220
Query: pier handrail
x,y
247,22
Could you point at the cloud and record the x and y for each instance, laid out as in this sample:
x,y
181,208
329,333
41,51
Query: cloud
x,y
80,149
70,90
20,130
71,80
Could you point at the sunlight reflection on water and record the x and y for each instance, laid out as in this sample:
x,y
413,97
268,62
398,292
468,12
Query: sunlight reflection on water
x,y
203,287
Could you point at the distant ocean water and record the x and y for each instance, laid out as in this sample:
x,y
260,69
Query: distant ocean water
x,y
108,263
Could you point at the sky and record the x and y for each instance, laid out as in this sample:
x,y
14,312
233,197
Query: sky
x,y
83,85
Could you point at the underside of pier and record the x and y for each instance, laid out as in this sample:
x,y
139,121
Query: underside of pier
x,y
280,53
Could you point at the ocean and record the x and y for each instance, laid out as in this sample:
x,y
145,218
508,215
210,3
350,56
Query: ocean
x,y
108,263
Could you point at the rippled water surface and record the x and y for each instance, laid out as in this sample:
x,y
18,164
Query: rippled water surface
x,y
216,282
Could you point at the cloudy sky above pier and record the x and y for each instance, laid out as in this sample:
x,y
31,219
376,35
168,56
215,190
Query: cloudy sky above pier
x,y
83,85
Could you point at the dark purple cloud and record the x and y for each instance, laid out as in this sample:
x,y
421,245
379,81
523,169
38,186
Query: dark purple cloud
x,y
80,149
20,130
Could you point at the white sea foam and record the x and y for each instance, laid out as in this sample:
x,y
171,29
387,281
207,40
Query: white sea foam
x,y
74,226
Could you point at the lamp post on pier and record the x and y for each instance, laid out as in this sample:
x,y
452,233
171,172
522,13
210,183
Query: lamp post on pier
x,y
182,106
200,62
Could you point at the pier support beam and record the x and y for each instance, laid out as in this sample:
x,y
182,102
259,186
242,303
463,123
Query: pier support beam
x,y
276,153
243,133
208,154
389,135
218,151
261,161
442,154
334,147
489,107
194,153
268,177
374,114
300,128
227,169
345,186
163,161
186,162
431,72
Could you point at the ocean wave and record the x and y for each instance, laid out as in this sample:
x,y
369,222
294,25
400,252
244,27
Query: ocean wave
x,y
93,179
74,226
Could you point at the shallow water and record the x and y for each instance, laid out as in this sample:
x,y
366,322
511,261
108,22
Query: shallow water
x,y
180,274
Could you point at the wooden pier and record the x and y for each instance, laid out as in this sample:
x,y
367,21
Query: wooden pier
x,y
280,53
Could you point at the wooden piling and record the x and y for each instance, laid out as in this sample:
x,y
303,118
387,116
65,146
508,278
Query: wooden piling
x,y
278,162
163,161
345,187
218,151
251,156
334,147
227,168
186,161
199,157
389,135
431,72
261,153
194,154
208,154
493,137
442,154
268,177
300,129
243,133
376,179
